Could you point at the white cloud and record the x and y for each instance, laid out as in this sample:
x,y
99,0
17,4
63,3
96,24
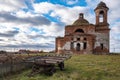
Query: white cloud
x,y
43,7
32,20
70,2
23,14
11,5
116,27
67,14
53,29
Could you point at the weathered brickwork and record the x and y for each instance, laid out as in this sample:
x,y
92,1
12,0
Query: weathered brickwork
x,y
83,37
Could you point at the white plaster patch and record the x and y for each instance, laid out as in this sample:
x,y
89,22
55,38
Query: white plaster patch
x,y
102,38
67,46
75,45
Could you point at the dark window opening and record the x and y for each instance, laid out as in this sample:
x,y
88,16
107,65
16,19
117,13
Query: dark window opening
x,y
78,39
101,15
85,45
85,38
78,47
79,30
102,46
72,45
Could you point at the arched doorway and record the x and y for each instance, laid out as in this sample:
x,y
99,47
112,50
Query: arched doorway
x,y
78,47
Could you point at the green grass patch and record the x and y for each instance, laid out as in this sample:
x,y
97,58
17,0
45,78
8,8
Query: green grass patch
x,y
81,67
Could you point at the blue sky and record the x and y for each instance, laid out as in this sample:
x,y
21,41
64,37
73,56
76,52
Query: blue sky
x,y
34,24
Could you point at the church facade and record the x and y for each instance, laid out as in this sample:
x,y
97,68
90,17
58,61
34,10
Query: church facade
x,y
83,37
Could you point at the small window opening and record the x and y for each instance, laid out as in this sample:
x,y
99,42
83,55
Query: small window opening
x,y
78,39
72,45
85,45
85,38
102,46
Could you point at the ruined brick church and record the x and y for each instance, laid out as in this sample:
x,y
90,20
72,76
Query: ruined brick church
x,y
83,37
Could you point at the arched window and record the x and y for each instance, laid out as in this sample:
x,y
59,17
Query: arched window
x,y
79,30
101,15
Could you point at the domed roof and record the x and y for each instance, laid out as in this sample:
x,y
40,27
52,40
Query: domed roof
x,y
101,5
81,20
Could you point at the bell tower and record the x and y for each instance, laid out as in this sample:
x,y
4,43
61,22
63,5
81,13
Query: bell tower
x,y
102,28
101,14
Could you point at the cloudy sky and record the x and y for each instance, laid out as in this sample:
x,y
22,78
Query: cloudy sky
x,y
34,24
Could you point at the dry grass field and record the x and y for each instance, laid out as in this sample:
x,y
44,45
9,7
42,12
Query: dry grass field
x,y
80,67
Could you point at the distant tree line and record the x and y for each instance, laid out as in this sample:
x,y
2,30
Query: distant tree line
x,y
3,52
